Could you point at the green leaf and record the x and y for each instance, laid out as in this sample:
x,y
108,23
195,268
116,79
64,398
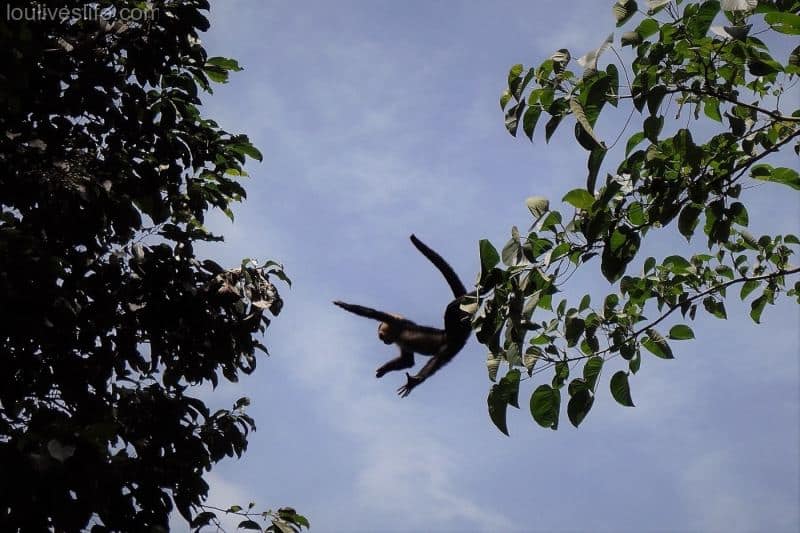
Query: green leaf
x,y
497,409
552,220
580,198
580,115
545,405
246,148
647,27
711,108
504,98
681,332
510,384
493,365
786,176
501,396
748,287
758,305
216,74
512,118
631,38
489,256
699,24
688,219
537,205
654,6
738,213
634,140
620,389
613,84
623,10
512,251
573,329
530,357
561,374
715,308
677,264
224,62
649,264
652,127
593,165
657,345
550,127
249,524
794,60
787,23
579,406
514,73
636,214
203,519
749,239
529,120
591,371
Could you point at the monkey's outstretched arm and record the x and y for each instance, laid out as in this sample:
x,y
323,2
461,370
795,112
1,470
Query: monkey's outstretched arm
x,y
368,312
447,271
436,362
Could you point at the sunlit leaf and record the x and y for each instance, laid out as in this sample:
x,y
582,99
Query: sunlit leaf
x,y
681,332
623,10
787,23
657,344
579,198
538,205
589,60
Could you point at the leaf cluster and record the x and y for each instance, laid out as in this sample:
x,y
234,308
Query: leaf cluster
x,y
680,65
108,316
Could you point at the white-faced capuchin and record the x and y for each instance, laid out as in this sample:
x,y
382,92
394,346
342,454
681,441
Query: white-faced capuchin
x,y
411,338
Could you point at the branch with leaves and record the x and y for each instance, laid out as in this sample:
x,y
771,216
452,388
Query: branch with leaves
x,y
284,520
723,74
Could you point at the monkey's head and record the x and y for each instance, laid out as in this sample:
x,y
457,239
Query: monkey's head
x,y
388,333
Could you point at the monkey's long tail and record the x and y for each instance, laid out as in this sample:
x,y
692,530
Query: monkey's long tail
x,y
447,271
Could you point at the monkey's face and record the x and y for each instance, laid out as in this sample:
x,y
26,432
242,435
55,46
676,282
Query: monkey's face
x,y
385,333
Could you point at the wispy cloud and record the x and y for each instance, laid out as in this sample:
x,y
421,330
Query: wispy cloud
x,y
403,477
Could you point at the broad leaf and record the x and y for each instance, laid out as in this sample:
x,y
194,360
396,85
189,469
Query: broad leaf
x,y
580,198
681,332
579,406
620,389
545,405
657,345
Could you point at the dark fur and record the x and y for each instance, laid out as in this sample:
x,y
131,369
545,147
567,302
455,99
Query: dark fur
x,y
411,338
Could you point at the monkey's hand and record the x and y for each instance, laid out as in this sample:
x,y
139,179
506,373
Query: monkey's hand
x,y
412,382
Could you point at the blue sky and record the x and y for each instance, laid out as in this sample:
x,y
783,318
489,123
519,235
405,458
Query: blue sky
x,y
380,119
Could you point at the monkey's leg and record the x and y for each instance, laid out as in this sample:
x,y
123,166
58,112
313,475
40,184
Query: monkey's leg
x,y
404,360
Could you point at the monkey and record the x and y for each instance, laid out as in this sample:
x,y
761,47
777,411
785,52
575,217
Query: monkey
x,y
411,338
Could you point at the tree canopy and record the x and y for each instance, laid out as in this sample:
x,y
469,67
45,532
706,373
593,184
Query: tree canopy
x,y
108,316
708,105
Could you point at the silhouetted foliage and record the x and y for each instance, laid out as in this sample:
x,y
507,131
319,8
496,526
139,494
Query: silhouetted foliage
x,y
107,316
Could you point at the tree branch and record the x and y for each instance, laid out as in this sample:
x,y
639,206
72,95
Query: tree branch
x,y
710,290
701,92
